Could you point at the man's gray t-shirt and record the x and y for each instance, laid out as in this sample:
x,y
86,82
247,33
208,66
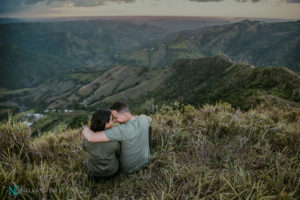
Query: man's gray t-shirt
x,y
134,138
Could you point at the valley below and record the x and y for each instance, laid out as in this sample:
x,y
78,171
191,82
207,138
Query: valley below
x,y
52,66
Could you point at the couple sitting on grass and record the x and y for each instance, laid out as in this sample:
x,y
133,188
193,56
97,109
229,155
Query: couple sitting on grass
x,y
126,146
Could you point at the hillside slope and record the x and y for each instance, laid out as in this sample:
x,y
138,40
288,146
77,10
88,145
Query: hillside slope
x,y
68,91
188,81
211,79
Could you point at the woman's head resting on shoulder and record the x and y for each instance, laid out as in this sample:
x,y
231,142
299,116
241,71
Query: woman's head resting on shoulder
x,y
101,120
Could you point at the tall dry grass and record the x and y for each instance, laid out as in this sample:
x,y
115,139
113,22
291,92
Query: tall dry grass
x,y
215,152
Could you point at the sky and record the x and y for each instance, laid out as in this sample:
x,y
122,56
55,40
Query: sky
x,y
280,9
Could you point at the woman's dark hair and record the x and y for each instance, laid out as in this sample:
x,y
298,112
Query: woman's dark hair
x,y
99,119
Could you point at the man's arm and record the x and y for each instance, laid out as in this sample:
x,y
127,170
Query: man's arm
x,y
91,136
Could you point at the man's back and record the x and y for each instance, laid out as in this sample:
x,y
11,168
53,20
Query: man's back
x,y
134,137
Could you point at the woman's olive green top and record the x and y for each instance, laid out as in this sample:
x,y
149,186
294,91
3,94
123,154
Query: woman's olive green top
x,y
102,157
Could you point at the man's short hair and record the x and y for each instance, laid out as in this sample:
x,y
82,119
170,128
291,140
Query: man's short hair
x,y
120,107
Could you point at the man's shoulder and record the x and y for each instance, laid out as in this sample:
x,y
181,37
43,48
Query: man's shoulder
x,y
144,118
133,125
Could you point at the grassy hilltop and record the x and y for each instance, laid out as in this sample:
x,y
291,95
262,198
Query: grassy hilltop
x,y
215,152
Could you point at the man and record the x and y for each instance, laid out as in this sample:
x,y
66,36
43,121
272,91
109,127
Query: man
x,y
133,133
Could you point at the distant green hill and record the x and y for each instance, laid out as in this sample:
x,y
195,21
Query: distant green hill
x,y
36,50
212,79
253,42
53,37
41,51
85,87
22,68
188,81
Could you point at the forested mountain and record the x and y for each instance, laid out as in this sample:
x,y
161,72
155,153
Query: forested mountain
x,y
29,46
78,36
40,51
22,68
254,42
213,79
188,81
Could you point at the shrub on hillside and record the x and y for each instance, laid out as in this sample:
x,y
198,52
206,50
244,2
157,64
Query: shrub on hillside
x,y
78,121
15,139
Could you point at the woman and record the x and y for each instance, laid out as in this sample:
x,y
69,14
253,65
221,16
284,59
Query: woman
x,y
102,159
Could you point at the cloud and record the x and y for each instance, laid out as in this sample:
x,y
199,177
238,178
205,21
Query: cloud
x,y
243,1
89,3
17,6
253,1
11,6
293,1
207,0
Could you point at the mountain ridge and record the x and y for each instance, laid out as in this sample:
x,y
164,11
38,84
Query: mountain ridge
x,y
254,42
188,81
104,44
